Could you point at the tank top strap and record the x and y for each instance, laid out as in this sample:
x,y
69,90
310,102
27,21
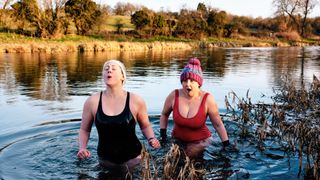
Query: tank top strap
x,y
203,102
176,98
176,93
127,108
100,102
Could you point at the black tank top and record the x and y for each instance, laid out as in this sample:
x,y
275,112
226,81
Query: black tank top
x,y
118,142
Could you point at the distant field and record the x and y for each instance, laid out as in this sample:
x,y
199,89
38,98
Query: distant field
x,y
111,22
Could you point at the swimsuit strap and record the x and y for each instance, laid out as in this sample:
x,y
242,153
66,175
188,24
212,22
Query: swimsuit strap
x,y
127,106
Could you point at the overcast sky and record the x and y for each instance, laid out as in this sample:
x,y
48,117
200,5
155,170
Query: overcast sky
x,y
253,8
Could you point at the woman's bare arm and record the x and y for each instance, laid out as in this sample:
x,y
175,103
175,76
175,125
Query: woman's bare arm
x,y
215,118
85,128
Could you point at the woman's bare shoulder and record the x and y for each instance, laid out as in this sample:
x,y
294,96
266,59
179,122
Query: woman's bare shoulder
x,y
94,95
136,98
172,93
93,98
210,98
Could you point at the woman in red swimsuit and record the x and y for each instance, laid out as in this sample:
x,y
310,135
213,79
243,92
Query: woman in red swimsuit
x,y
191,106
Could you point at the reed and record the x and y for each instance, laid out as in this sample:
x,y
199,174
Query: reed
x,y
148,170
176,165
179,166
243,117
293,121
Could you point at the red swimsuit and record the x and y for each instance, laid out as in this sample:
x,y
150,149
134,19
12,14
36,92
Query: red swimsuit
x,y
190,129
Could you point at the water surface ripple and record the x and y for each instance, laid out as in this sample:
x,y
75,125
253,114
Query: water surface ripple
x,y
42,97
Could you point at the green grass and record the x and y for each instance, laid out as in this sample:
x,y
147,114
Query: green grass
x,y
226,40
12,37
111,21
77,38
163,39
247,40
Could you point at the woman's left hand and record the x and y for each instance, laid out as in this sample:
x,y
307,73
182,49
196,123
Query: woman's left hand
x,y
154,142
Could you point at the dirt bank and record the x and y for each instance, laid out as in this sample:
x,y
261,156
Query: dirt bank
x,y
100,46
56,47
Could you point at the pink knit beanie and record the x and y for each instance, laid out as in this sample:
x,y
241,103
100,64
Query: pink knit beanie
x,y
192,71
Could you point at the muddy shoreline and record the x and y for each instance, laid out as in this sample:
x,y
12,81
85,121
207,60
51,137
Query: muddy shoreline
x,y
101,46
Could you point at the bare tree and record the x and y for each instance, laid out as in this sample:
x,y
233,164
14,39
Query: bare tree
x,y
124,9
51,16
45,15
307,6
297,10
57,16
6,3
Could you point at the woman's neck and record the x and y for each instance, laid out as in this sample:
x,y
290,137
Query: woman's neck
x,y
114,91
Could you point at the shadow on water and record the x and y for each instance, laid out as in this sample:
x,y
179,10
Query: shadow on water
x,y
48,151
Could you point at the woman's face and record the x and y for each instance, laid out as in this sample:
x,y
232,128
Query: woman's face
x,y
112,74
190,86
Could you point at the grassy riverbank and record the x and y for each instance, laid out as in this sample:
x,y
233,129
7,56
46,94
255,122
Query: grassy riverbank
x,y
15,43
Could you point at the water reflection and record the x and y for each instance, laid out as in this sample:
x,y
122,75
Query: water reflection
x,y
296,63
53,77
61,78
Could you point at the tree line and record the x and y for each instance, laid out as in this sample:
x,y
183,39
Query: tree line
x,y
53,18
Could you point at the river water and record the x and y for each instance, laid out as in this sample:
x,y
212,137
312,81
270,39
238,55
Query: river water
x,y
42,97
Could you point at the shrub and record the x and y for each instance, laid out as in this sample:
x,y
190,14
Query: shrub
x,y
290,36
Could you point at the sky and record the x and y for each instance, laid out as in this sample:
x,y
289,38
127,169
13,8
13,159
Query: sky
x,y
252,8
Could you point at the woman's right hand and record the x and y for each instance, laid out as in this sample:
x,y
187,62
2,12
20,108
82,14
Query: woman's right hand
x,y
83,153
154,142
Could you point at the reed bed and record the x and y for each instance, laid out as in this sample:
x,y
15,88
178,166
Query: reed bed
x,y
292,121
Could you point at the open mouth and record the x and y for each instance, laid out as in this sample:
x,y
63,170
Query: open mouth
x,y
189,89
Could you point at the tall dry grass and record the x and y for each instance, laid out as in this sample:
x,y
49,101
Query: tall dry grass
x,y
292,121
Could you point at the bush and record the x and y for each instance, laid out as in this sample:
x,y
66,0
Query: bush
x,y
290,36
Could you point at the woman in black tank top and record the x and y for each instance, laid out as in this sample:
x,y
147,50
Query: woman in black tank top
x,y
115,113
118,142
